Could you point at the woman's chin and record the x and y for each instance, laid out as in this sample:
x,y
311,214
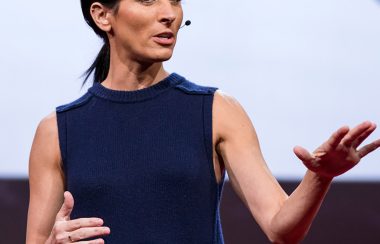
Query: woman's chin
x,y
161,56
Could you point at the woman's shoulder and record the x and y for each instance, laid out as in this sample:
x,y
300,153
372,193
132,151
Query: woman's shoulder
x,y
191,87
48,123
229,114
45,149
74,104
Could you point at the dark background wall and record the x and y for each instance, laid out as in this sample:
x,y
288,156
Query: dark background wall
x,y
349,214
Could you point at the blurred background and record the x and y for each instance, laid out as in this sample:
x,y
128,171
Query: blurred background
x,y
301,69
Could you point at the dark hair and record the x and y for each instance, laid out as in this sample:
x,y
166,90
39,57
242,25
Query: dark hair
x,y
101,64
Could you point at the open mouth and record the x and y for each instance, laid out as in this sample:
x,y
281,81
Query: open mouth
x,y
165,35
165,38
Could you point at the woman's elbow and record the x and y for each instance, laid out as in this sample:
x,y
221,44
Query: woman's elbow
x,y
293,237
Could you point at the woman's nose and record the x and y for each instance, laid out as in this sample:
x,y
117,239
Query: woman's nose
x,y
167,13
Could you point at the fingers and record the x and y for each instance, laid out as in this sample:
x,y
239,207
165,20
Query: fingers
x,y
97,241
355,133
82,223
363,136
72,231
369,148
78,229
67,207
337,136
88,232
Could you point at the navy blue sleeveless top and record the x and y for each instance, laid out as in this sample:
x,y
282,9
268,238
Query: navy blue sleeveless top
x,y
142,161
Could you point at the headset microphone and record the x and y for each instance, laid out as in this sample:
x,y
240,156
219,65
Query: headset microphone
x,y
187,23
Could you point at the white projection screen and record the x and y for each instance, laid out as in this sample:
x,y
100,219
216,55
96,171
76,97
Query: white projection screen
x,y
301,69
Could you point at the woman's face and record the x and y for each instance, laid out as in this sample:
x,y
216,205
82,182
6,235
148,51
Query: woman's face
x,y
146,30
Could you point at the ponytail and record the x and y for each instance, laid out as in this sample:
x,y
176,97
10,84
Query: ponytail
x,y
100,66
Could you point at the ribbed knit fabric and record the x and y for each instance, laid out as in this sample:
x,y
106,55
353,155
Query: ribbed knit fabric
x,y
142,161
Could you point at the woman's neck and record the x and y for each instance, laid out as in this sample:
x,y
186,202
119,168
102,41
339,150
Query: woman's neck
x,y
133,75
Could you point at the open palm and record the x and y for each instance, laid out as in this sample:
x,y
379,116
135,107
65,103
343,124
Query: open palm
x,y
340,152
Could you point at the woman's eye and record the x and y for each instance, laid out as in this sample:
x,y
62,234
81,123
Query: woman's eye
x,y
147,1
152,1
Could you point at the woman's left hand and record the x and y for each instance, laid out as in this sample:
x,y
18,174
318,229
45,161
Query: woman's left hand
x,y
340,152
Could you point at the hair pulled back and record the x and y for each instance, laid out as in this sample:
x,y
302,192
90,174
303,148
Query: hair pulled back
x,y
101,64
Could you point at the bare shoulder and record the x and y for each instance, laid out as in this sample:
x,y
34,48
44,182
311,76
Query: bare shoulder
x,y
225,104
45,147
224,99
48,124
229,115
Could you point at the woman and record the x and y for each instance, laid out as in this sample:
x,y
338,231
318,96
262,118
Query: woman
x,y
144,152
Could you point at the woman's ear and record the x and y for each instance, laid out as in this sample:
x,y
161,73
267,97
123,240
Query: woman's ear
x,y
100,14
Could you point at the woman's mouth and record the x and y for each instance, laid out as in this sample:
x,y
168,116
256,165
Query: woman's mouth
x,y
164,38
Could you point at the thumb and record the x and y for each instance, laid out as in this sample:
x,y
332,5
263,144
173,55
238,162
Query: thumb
x,y
67,207
302,154
307,159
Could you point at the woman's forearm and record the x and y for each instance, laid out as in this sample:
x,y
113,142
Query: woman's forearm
x,y
293,220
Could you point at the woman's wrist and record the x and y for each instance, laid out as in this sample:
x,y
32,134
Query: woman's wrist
x,y
320,177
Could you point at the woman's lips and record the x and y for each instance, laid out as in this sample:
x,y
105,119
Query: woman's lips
x,y
165,38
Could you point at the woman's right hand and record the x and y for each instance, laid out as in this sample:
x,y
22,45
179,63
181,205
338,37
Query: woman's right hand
x,y
73,231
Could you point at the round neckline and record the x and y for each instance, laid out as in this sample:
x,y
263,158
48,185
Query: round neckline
x,y
145,93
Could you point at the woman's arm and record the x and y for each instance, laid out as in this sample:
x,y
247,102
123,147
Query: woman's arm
x,y
46,181
49,213
283,218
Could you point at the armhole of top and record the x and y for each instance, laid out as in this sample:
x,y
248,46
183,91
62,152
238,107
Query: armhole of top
x,y
207,129
62,136
207,108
